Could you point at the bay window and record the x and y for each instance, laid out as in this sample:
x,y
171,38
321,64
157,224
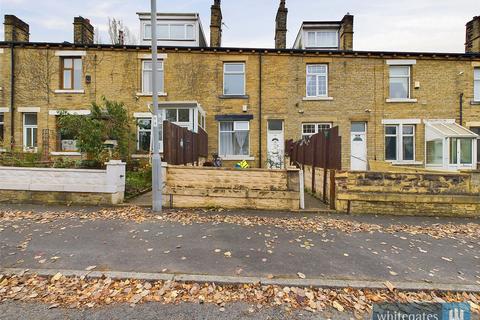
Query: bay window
x,y
317,80
400,142
234,78
399,82
147,76
30,128
234,138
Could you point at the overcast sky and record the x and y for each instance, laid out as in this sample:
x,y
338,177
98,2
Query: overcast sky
x,y
400,25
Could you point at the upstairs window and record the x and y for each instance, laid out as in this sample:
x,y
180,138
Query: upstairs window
x,y
476,84
317,80
234,78
322,39
71,73
400,142
172,31
147,76
399,82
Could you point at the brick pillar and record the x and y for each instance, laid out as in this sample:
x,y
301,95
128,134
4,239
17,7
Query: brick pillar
x,y
216,25
346,33
15,29
82,31
472,43
281,26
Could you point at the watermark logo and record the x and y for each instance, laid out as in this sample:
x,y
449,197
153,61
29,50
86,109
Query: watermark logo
x,y
421,311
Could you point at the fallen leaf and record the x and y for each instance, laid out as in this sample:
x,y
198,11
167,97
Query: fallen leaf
x,y
90,268
389,286
301,275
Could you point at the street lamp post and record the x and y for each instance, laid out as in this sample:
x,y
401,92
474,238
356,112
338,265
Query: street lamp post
x,y
157,179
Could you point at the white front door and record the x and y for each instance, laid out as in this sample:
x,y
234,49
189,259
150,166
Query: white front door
x,y
358,144
275,144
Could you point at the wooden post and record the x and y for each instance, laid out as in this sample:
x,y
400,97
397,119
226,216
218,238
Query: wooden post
x,y
325,172
332,190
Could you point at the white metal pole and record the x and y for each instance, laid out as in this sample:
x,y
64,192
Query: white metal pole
x,y
157,179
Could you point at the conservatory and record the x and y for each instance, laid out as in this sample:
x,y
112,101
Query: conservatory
x,y
449,146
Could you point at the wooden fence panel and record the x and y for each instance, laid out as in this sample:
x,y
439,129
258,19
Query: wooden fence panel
x,y
181,146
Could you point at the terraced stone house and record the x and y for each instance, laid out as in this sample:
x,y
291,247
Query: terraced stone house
x,y
407,108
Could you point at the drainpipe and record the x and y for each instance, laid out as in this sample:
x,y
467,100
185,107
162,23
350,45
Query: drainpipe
x,y
260,60
461,109
12,95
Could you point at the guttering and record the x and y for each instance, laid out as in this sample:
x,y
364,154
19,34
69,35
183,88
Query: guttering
x,y
12,96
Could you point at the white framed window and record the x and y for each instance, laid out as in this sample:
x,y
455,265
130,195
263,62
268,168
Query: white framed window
x,y
400,82
477,131
179,116
317,80
71,73
2,125
147,76
476,84
400,142
30,128
234,78
170,31
144,133
461,151
322,39
309,129
234,138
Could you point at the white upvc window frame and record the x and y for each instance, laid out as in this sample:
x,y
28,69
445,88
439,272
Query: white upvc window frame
x,y
316,44
317,75
399,136
476,84
140,130
31,128
409,77
243,72
185,31
235,125
316,125
160,67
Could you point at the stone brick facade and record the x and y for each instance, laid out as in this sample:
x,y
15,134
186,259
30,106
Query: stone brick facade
x,y
358,89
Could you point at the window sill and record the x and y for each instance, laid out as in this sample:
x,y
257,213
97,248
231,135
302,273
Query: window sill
x,y
402,100
65,153
233,96
69,91
474,102
317,99
235,158
145,94
399,163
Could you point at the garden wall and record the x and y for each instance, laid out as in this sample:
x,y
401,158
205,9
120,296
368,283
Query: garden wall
x,y
188,187
52,185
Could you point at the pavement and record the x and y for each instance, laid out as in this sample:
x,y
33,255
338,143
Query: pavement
x,y
233,250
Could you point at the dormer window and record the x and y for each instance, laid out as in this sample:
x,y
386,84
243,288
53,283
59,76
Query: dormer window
x,y
322,39
171,31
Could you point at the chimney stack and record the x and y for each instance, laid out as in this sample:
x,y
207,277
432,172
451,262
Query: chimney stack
x,y
82,31
472,43
346,32
15,29
121,37
281,26
216,25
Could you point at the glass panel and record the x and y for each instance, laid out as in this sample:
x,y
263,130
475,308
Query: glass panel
x,y
435,152
1,118
477,131
408,149
407,129
183,115
30,119
147,81
241,146
226,143
317,68
311,86
323,126
171,115
160,81
275,125
311,39
399,88
67,79
390,129
147,65
358,127
327,39
234,84
145,124
241,125
226,126
77,74
190,32
390,148
476,73
309,128
28,133
466,151
34,134
234,67
162,31
477,90
177,31
399,71
67,63
322,85
144,141
453,151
